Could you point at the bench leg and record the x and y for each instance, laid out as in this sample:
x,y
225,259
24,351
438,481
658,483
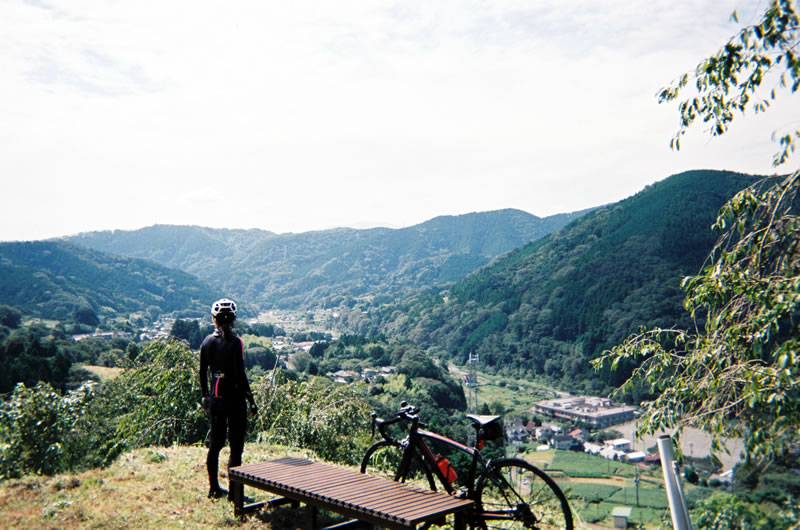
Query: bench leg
x,y
237,489
460,522
311,517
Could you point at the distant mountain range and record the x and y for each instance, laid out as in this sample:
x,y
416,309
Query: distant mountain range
x,y
547,307
52,279
531,296
332,267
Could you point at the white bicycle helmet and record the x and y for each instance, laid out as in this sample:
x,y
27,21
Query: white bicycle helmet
x,y
223,306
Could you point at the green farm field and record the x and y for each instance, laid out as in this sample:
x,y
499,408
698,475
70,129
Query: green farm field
x,y
517,397
595,485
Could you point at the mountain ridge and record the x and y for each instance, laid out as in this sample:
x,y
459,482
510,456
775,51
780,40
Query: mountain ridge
x,y
326,268
547,307
53,279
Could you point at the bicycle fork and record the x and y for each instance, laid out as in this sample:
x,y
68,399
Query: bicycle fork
x,y
405,462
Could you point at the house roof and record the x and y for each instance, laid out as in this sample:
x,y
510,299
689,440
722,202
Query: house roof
x,y
621,511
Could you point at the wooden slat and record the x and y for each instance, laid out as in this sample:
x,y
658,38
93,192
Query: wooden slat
x,y
373,499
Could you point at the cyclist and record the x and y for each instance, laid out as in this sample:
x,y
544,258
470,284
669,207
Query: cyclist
x,y
222,358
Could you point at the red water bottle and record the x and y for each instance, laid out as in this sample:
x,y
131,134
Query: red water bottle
x,y
447,470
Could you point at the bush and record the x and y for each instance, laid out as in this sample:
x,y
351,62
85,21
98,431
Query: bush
x,y
725,510
691,475
157,401
84,314
261,357
36,430
332,420
10,317
695,495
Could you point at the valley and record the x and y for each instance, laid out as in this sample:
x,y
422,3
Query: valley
x,y
374,317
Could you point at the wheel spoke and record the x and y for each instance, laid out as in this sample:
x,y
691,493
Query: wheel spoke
x,y
515,494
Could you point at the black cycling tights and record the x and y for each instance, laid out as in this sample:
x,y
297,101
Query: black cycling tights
x,y
225,418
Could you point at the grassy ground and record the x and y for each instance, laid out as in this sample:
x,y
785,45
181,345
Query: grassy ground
x,y
148,488
166,488
103,372
578,464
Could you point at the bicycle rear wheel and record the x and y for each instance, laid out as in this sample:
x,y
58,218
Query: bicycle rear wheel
x,y
384,459
515,494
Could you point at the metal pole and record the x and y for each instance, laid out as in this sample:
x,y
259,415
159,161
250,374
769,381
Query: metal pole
x,y
672,483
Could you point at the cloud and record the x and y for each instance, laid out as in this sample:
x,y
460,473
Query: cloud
x,y
90,72
314,115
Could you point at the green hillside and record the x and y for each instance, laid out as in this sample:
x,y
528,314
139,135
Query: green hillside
x,y
53,279
551,305
331,267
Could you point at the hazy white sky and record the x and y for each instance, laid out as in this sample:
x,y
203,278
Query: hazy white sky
x,y
296,116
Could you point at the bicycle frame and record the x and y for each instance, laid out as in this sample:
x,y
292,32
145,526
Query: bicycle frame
x,y
415,441
496,496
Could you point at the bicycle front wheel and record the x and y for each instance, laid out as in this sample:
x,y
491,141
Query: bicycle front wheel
x,y
385,459
515,494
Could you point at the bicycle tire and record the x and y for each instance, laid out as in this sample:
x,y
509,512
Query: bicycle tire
x,y
383,459
513,493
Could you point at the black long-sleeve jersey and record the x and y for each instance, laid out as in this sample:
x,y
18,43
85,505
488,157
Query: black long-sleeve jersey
x,y
224,359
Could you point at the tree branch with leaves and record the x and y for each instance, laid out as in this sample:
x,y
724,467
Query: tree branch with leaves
x,y
738,372
731,79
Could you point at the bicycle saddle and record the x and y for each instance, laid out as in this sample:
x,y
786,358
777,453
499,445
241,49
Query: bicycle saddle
x,y
482,419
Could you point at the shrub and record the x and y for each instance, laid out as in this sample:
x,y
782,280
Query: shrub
x,y
157,401
37,431
331,420
10,316
725,510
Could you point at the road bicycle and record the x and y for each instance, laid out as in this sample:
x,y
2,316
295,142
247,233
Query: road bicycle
x,y
508,492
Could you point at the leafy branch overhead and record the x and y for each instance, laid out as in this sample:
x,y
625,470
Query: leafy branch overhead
x,y
736,374
730,80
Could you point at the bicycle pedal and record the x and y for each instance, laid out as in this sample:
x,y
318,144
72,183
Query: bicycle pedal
x,y
461,493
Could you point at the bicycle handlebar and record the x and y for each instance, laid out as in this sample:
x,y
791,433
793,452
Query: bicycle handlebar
x,y
407,413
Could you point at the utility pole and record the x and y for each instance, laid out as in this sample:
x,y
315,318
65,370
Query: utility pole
x,y
472,383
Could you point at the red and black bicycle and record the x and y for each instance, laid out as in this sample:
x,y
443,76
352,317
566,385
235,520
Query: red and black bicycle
x,y
508,492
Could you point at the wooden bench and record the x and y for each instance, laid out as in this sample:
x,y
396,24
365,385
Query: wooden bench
x,y
372,500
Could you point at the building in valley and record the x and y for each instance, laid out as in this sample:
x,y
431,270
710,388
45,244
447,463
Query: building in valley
x,y
595,411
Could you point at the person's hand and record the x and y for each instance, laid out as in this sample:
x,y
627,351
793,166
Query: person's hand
x,y
205,403
253,410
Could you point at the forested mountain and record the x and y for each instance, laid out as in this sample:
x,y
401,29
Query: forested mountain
x,y
551,305
56,279
331,267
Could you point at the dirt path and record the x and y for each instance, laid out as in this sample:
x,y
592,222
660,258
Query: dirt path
x,y
613,481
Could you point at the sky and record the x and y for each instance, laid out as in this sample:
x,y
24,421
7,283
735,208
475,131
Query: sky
x,y
298,116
